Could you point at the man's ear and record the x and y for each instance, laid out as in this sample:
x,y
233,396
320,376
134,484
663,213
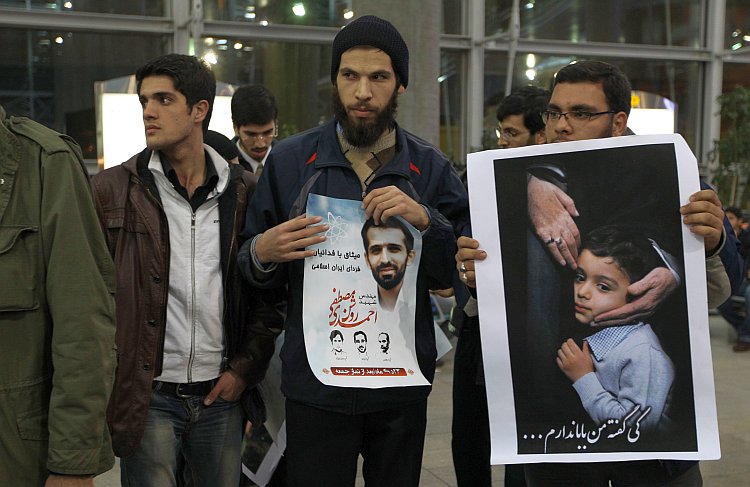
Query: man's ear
x,y
401,89
540,137
410,257
619,123
236,129
200,111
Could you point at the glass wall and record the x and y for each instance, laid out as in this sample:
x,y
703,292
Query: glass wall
x,y
330,13
49,75
297,74
658,22
131,7
677,81
453,17
495,72
737,27
452,115
733,178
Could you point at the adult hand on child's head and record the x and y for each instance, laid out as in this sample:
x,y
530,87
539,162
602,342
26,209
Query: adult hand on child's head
x,y
573,361
705,217
468,253
650,292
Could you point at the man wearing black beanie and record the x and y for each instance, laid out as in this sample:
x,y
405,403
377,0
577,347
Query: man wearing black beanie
x,y
360,155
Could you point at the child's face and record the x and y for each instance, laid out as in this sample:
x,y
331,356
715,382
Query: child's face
x,y
599,286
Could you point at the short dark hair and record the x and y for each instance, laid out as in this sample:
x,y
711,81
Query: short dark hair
x,y
191,76
335,333
735,211
529,101
253,104
630,249
358,333
614,82
392,222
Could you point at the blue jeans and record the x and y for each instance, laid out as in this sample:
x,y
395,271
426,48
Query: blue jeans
x,y
205,439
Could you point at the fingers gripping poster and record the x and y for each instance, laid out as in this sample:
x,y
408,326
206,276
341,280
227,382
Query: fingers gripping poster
x,y
359,298
592,302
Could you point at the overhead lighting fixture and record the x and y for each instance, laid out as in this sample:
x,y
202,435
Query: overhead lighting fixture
x,y
238,45
210,57
264,23
299,9
531,74
68,5
348,14
59,40
530,60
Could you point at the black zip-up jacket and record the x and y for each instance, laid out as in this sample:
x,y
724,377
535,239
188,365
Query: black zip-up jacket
x,y
312,162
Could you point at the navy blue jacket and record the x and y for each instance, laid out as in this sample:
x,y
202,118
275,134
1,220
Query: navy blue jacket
x,y
312,162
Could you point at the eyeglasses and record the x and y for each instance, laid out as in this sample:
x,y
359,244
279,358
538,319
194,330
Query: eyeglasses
x,y
268,134
574,117
508,133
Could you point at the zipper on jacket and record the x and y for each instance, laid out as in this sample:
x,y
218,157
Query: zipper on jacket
x,y
193,297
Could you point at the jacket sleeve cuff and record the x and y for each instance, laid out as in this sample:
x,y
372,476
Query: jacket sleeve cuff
x,y
260,271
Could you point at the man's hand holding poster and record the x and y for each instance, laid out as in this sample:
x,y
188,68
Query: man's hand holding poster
x,y
359,298
592,302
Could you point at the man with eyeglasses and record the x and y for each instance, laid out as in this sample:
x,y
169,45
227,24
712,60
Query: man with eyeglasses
x,y
254,116
591,100
520,124
519,118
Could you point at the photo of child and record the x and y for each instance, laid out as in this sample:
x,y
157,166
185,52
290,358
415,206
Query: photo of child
x,y
619,371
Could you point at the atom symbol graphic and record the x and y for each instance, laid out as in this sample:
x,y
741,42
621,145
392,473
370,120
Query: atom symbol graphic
x,y
336,228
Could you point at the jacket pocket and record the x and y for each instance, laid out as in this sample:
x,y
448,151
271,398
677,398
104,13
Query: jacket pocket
x,y
33,425
19,253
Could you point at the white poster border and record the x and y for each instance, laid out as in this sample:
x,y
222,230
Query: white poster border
x,y
491,292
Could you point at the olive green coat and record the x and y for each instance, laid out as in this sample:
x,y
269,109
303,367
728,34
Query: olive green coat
x,y
57,328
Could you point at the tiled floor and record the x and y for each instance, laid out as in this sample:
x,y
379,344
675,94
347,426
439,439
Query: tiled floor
x,y
732,378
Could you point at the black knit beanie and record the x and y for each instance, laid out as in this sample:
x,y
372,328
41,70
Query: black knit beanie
x,y
376,32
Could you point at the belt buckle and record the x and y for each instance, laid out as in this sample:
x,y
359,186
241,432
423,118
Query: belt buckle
x,y
180,394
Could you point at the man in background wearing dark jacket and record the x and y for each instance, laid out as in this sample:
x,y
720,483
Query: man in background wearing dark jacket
x,y
362,154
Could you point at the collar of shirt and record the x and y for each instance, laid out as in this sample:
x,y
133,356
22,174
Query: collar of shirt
x,y
201,193
605,340
253,162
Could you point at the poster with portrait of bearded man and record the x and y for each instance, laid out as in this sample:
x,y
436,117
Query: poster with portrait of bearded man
x,y
359,287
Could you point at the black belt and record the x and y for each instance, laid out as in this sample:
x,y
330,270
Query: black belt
x,y
188,389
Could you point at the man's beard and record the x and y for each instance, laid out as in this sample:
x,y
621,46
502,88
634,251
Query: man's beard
x,y
390,283
364,133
